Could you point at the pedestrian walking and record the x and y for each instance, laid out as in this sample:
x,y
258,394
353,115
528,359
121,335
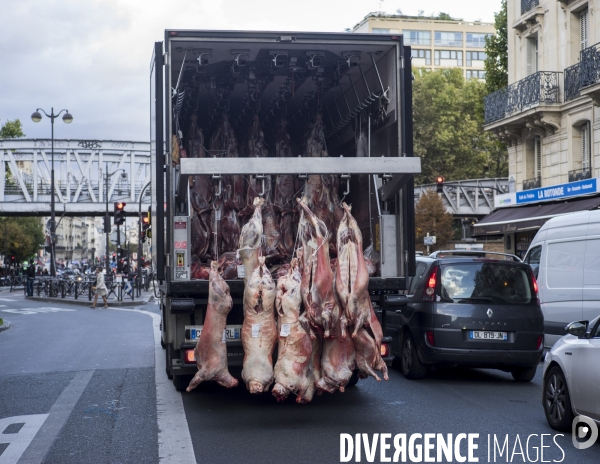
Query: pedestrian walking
x,y
100,288
30,278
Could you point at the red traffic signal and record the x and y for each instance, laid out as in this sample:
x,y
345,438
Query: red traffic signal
x,y
120,205
439,180
119,212
145,220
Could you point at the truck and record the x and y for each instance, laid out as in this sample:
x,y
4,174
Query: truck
x,y
359,84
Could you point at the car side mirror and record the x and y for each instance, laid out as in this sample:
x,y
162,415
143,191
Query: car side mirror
x,y
579,329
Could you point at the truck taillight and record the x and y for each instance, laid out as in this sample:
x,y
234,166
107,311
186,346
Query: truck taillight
x,y
385,350
428,294
190,356
540,340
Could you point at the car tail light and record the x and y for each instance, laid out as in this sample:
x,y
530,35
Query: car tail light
x,y
536,289
385,350
429,292
540,340
430,338
190,356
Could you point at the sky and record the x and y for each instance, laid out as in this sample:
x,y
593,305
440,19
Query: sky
x,y
92,57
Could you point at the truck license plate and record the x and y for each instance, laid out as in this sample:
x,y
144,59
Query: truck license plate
x,y
486,335
233,332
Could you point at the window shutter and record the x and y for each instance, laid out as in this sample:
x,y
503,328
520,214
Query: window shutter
x,y
583,28
531,56
538,157
585,146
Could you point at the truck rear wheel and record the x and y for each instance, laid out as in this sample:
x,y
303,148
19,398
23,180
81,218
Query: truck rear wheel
x,y
354,379
181,382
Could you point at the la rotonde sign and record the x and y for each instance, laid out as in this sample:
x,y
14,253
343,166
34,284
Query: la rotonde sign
x,y
554,192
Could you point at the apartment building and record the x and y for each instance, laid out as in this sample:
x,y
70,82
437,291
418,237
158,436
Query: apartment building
x,y
436,43
548,116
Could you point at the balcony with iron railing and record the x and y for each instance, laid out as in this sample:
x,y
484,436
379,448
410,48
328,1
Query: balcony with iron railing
x,y
580,174
534,183
583,78
528,5
541,88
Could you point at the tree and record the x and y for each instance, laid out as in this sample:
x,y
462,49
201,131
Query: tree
x,y
448,128
431,216
11,130
22,236
496,48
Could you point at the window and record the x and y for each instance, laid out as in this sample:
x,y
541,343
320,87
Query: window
x,y
583,28
585,147
476,40
486,283
475,73
448,55
532,56
475,56
533,258
376,30
448,39
423,54
538,157
417,37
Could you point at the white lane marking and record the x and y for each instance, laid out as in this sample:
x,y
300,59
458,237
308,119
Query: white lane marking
x,y
7,299
57,418
19,441
35,310
174,440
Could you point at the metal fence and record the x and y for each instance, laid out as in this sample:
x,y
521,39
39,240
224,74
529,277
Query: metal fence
x,y
528,5
580,174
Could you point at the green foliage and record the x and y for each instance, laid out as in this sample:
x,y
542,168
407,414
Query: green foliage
x,y
431,216
496,48
11,130
448,128
444,16
22,236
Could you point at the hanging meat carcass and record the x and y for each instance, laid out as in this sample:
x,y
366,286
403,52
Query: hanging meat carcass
x,y
321,190
352,286
283,199
337,363
250,240
211,349
317,278
259,330
294,368
261,186
201,194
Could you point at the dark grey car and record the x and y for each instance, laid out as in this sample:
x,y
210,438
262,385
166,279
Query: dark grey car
x,y
469,311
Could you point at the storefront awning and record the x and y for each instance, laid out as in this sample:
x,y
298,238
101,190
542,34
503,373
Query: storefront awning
x,y
522,218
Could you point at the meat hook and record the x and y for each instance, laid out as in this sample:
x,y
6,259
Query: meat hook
x,y
217,177
383,91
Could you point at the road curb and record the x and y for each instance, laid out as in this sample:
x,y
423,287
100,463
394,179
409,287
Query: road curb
x,y
86,302
7,325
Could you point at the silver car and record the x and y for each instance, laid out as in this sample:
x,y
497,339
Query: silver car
x,y
572,376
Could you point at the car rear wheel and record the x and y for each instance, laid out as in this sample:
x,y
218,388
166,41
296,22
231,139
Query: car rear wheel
x,y
557,401
412,367
524,374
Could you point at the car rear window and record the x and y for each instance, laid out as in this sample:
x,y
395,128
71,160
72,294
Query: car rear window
x,y
486,283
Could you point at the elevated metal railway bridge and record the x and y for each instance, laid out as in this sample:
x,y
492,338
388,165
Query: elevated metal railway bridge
x,y
80,167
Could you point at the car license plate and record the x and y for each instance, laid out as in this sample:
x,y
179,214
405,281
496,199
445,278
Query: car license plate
x,y
233,332
486,335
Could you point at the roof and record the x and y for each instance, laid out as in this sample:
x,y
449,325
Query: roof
x,y
530,217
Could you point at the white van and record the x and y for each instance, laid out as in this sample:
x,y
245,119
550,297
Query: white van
x,y
565,258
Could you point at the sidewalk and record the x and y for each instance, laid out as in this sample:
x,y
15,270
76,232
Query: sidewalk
x,y
83,300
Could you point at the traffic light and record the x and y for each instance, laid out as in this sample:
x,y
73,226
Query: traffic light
x,y
439,180
119,213
145,227
13,260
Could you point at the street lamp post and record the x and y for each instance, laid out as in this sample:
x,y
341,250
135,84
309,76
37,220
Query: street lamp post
x,y
68,119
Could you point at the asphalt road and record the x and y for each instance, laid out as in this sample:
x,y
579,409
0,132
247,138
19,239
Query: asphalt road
x,y
83,383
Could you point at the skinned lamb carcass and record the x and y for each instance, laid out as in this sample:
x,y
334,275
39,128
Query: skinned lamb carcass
x,y
294,368
250,240
337,363
317,277
211,349
259,330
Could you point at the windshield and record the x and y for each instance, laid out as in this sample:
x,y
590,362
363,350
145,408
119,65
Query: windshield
x,y
486,283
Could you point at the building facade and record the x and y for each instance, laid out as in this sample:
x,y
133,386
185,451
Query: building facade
x,y
547,115
436,43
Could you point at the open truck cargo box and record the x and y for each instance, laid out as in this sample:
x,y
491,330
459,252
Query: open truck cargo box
x,y
359,84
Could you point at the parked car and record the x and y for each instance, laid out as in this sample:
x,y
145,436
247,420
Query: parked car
x,y
565,258
471,311
572,376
